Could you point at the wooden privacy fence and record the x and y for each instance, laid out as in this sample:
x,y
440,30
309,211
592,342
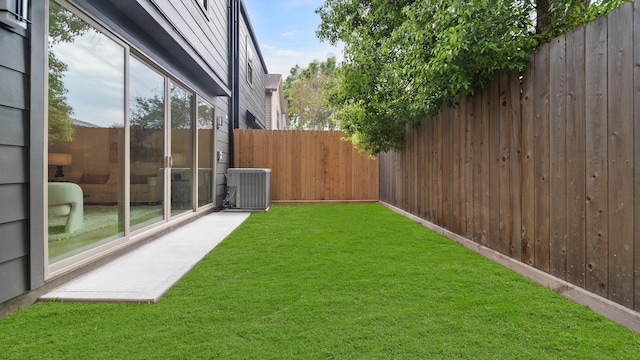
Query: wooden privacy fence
x,y
542,166
308,165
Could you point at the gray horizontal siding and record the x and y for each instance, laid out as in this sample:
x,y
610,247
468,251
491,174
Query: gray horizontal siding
x,y
13,202
14,159
13,92
13,124
13,54
12,244
207,34
13,278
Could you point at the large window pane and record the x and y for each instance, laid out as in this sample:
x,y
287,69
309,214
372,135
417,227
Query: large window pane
x,y
147,104
181,150
206,156
86,136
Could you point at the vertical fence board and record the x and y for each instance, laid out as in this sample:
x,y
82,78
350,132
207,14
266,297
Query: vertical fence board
x,y
423,173
469,140
296,176
636,152
597,229
433,169
527,176
516,164
416,170
456,176
447,164
542,158
576,147
504,164
406,170
620,108
478,139
439,169
558,164
494,165
462,150
485,104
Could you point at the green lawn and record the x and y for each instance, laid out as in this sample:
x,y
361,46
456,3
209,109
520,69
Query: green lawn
x,y
352,281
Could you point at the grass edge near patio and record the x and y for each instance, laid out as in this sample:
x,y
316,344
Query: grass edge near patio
x,y
319,281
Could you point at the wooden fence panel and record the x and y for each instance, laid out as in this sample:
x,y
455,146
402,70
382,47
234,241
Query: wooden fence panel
x,y
576,160
597,226
543,166
456,206
309,165
478,170
541,185
469,140
527,170
636,121
558,160
620,110
493,236
486,159
506,211
515,86
432,184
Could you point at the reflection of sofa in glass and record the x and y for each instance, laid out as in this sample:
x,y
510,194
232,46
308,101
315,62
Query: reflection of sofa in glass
x,y
146,185
65,199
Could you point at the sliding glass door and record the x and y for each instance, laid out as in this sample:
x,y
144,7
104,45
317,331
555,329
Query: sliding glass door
x,y
182,114
123,150
86,123
206,153
147,149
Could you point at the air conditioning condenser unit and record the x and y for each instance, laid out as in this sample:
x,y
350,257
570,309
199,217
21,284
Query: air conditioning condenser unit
x,y
248,189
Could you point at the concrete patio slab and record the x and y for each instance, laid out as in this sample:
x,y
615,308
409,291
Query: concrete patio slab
x,y
148,272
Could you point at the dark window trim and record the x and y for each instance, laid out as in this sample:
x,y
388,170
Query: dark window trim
x,y
249,56
204,8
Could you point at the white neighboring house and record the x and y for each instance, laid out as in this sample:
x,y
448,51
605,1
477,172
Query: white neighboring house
x,y
276,106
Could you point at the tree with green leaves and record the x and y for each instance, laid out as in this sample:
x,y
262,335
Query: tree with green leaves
x,y
64,27
404,59
306,90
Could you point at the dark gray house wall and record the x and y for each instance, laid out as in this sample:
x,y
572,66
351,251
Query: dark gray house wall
x,y
14,159
223,140
252,95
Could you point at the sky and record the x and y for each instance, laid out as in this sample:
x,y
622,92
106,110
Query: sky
x,y
286,32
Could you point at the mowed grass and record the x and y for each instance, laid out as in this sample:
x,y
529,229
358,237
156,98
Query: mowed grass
x,y
353,281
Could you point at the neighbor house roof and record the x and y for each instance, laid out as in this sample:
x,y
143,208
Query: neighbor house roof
x,y
272,81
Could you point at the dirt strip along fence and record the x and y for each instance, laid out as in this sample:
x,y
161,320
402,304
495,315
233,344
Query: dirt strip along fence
x,y
309,166
542,166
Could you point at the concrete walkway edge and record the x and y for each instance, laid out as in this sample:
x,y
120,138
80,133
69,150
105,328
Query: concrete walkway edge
x,y
147,273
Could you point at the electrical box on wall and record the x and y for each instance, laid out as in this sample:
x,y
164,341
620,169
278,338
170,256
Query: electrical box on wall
x,y
14,13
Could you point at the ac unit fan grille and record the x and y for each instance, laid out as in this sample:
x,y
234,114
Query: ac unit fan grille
x,y
252,188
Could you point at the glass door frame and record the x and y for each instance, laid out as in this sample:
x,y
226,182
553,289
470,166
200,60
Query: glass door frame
x,y
75,261
85,257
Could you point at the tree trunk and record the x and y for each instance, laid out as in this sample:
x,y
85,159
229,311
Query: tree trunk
x,y
543,18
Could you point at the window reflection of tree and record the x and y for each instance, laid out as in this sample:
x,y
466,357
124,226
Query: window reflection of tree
x,y
205,115
181,105
147,128
64,27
